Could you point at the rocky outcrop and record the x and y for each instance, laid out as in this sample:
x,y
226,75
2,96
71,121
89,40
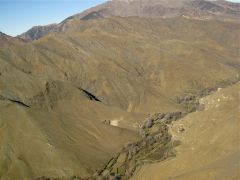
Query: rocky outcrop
x,y
37,32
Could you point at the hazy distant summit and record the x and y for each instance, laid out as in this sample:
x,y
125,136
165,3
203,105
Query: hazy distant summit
x,y
192,9
37,32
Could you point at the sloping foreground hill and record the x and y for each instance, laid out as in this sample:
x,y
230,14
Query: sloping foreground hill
x,y
58,94
209,146
62,137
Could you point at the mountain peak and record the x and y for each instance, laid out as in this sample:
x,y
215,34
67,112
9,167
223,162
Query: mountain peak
x,y
37,32
192,9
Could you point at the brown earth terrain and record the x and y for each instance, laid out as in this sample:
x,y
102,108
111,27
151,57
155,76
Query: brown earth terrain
x,y
78,97
190,9
209,147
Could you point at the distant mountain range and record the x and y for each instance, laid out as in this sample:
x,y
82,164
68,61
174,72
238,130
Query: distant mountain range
x,y
193,9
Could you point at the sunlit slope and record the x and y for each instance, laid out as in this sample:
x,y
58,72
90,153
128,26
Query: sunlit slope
x,y
209,146
191,9
55,129
132,63
60,136
58,94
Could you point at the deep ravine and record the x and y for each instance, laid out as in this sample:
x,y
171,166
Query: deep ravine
x,y
156,143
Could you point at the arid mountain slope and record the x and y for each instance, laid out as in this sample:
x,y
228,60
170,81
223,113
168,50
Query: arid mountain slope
x,y
131,67
8,40
209,146
37,32
71,99
62,137
202,9
193,9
